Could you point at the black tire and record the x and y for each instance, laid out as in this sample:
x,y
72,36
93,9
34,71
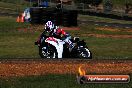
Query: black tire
x,y
85,53
51,50
35,10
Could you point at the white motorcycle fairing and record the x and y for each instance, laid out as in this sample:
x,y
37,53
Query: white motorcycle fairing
x,y
57,43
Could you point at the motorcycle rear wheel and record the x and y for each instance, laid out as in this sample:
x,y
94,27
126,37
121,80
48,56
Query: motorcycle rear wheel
x,y
85,53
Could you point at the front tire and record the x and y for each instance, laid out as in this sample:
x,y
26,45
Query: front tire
x,y
47,52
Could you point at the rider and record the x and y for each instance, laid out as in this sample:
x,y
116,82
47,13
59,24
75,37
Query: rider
x,y
57,32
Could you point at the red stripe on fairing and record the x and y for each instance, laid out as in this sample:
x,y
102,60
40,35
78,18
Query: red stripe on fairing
x,y
51,39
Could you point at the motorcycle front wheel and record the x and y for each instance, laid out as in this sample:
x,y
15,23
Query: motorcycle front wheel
x,y
47,52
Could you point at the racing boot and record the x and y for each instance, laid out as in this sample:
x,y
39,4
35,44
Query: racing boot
x,y
71,46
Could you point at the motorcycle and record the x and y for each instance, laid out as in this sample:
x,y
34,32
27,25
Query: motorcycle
x,y
51,47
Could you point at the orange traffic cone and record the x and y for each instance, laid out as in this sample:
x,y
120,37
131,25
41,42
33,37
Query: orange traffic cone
x,y
18,19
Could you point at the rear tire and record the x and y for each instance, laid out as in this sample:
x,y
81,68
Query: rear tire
x,y
85,53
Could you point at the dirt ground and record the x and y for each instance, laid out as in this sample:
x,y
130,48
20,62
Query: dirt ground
x,y
9,68
113,29
109,35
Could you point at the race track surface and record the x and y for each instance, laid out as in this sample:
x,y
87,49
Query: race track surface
x,y
41,67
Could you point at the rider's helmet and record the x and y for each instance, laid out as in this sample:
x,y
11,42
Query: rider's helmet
x,y
49,26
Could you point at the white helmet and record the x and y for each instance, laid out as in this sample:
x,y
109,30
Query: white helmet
x,y
49,24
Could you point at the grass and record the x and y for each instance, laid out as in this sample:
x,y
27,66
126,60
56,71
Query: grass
x,y
20,44
110,48
102,19
14,43
16,7
115,48
54,81
8,5
11,1
88,28
121,2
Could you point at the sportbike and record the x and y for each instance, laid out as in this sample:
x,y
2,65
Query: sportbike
x,y
51,47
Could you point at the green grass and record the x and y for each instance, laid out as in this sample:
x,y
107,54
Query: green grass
x,y
8,5
20,44
88,28
54,81
110,48
102,19
106,48
11,1
14,43
13,7
121,2
8,25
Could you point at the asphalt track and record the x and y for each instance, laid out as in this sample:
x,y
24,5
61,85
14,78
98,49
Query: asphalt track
x,y
25,67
